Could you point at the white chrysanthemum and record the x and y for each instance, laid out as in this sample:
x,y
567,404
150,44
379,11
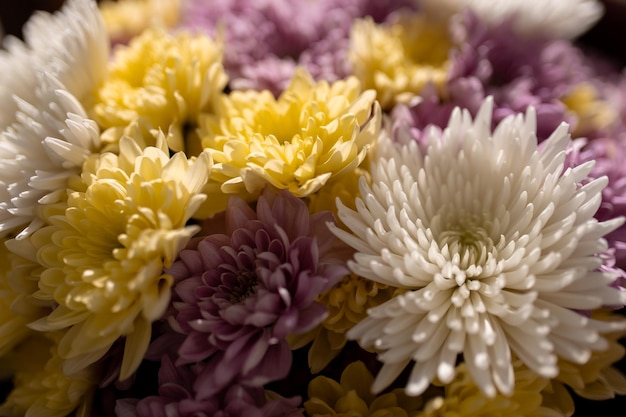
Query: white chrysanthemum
x,y
563,19
495,244
71,44
39,152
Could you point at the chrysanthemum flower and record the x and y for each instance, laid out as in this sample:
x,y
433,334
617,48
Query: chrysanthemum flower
x,y
495,243
71,44
564,19
128,18
161,81
463,398
310,134
593,114
178,397
40,387
599,378
399,58
47,144
264,36
244,292
105,253
347,303
609,154
13,326
352,396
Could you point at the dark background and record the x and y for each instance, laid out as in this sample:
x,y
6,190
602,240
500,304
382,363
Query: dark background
x,y
608,37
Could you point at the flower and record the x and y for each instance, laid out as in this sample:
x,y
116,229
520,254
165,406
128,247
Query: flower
x,y
310,134
462,398
495,244
398,59
347,303
177,395
104,254
48,143
277,34
161,81
244,292
128,18
71,45
564,19
41,388
351,396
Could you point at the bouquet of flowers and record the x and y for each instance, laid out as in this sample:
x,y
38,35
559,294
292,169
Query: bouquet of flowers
x,y
311,208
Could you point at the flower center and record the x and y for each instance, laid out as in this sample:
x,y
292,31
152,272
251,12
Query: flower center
x,y
245,286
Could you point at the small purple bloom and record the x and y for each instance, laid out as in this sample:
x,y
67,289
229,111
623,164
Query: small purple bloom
x,y
313,34
177,398
242,293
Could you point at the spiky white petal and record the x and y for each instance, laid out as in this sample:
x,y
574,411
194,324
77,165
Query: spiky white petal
x,y
71,44
44,147
495,244
562,19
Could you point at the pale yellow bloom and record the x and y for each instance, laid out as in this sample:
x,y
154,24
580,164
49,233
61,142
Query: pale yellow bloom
x,y
15,311
161,81
591,111
347,304
106,253
125,19
398,59
310,134
597,378
462,398
352,397
41,388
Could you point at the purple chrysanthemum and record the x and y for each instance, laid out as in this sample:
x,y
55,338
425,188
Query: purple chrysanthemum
x,y
516,71
609,155
177,397
242,293
299,33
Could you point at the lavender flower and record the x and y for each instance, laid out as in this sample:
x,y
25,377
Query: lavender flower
x,y
313,34
242,293
177,397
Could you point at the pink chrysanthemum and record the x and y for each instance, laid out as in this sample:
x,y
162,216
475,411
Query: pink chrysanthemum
x,y
242,293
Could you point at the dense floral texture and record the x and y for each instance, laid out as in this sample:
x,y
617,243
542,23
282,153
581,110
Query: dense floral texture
x,y
178,397
399,58
126,19
290,208
268,40
310,134
495,243
47,144
104,253
71,45
244,292
41,388
551,18
352,395
162,81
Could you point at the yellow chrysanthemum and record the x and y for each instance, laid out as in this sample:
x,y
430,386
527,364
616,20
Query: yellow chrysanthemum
x,y
592,112
40,388
125,19
597,378
18,283
347,304
462,398
13,326
105,255
345,188
400,58
310,134
162,81
352,397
